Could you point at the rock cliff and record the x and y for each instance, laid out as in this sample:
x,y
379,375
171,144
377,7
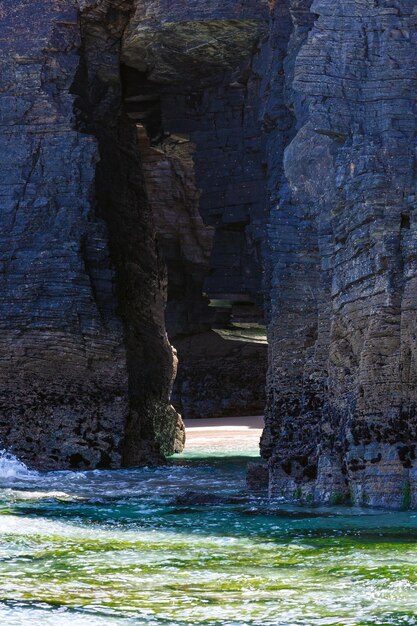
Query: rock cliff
x,y
341,421
194,167
85,364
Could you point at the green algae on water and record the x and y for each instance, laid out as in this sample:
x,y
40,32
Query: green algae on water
x,y
119,549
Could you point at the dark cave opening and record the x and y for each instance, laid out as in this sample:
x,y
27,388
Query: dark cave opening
x,y
201,156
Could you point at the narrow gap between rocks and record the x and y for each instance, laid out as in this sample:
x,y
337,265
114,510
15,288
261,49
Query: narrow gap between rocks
x,y
204,181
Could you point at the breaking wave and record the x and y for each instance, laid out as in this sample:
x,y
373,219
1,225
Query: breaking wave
x,y
11,467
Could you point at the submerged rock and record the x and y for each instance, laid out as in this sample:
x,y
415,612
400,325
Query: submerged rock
x,y
196,498
257,477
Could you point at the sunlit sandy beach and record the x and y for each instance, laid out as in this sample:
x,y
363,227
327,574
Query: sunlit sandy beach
x,y
223,434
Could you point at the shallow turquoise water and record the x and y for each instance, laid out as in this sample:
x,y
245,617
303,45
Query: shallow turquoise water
x,y
100,548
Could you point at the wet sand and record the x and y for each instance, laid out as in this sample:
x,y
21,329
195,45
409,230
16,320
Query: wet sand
x,y
224,434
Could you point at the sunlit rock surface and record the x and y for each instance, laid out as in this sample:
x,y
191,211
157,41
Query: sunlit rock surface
x,y
192,166
341,418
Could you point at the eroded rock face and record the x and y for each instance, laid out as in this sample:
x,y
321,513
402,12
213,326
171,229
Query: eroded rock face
x,y
64,394
191,85
219,377
341,420
191,41
85,365
245,152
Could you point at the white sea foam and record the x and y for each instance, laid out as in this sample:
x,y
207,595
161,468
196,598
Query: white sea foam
x,y
11,468
16,494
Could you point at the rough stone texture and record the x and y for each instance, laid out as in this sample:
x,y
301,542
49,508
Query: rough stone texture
x,y
88,253
212,101
153,426
257,477
85,377
243,152
191,86
186,242
62,360
219,377
191,41
342,385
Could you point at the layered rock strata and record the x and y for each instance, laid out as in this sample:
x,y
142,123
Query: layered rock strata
x,y
85,364
341,421
191,87
252,154
219,377
89,259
